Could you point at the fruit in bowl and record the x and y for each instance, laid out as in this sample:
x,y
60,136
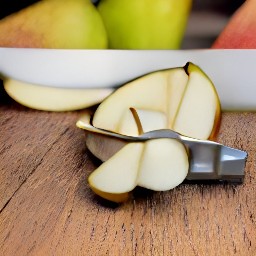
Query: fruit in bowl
x,y
143,24
68,24
240,32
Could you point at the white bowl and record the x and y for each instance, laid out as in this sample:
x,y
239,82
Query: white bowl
x,y
232,71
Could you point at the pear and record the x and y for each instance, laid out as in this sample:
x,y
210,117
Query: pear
x,y
115,178
53,99
240,32
145,24
182,99
157,164
55,24
186,96
164,165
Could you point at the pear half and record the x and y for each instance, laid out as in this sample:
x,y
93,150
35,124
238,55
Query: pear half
x,y
53,99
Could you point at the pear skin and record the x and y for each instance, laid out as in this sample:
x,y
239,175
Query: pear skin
x,y
145,24
67,24
240,32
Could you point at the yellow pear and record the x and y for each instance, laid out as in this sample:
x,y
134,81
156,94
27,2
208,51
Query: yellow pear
x,y
54,24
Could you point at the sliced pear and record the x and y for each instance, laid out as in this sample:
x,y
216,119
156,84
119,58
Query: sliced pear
x,y
186,96
53,99
118,175
164,164
199,108
148,120
159,164
148,92
184,99
127,124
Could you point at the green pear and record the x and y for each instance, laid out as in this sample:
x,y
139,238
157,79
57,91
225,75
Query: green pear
x,y
145,24
55,24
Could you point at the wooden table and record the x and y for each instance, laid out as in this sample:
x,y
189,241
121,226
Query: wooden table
x,y
47,208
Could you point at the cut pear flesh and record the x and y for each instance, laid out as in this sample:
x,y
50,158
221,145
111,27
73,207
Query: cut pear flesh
x,y
159,165
53,99
186,96
118,174
148,92
197,110
148,120
164,165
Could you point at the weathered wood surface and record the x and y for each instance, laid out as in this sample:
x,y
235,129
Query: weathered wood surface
x,y
47,208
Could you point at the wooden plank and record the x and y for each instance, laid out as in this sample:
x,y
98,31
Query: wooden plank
x,y
48,208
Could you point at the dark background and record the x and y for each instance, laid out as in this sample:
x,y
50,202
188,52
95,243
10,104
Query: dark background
x,y
225,6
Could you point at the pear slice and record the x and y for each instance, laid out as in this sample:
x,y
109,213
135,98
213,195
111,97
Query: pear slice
x,y
148,120
118,175
148,92
164,165
53,99
199,110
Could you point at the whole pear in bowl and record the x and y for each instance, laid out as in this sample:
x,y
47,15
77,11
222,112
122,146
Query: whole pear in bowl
x,y
67,24
145,24
240,32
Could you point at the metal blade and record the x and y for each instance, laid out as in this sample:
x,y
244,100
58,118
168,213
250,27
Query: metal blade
x,y
223,164
208,160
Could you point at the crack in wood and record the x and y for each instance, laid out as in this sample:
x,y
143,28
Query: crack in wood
x,y
32,171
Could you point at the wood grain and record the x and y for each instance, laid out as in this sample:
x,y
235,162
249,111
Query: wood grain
x,y
47,208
